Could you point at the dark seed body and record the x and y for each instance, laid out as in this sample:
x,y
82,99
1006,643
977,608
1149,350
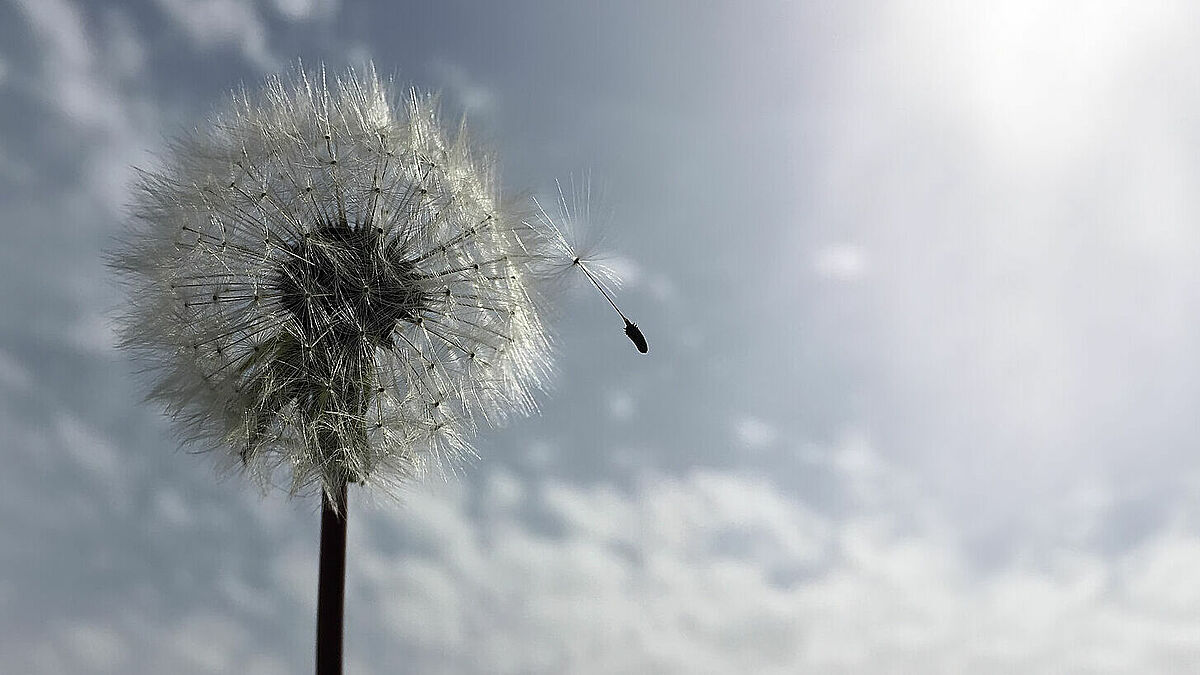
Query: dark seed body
x,y
635,334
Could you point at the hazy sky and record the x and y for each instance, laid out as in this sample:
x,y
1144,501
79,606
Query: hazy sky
x,y
921,282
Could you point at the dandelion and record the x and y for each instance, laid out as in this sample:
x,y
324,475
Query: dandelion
x,y
327,285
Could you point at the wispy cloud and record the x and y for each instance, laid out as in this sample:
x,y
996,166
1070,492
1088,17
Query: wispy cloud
x,y
215,23
304,10
473,95
841,262
719,572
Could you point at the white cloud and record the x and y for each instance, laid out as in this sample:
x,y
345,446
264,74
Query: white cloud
x,y
302,10
475,97
69,76
626,269
715,572
206,643
170,508
194,643
621,405
94,454
841,262
93,331
216,23
678,572
86,78
707,572
124,51
753,432
96,648
1164,575
663,288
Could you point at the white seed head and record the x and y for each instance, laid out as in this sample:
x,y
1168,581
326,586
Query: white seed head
x,y
322,279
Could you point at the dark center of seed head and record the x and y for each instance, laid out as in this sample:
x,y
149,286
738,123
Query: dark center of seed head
x,y
346,283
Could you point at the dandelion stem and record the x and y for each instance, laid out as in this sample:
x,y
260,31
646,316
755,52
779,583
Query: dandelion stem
x,y
331,584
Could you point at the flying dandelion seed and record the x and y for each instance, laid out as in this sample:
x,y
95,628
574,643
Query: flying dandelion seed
x,y
568,253
323,280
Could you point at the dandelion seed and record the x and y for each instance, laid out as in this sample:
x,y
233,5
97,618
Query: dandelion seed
x,y
565,246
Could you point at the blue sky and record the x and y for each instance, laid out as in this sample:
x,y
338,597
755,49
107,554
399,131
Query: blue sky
x,y
920,283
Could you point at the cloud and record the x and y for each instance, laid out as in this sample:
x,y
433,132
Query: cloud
x,y
80,647
475,97
96,122
93,453
705,572
621,404
677,572
752,432
716,572
97,648
303,10
216,23
70,78
194,643
87,76
840,262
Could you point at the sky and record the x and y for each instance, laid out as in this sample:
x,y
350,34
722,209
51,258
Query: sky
x,y
920,282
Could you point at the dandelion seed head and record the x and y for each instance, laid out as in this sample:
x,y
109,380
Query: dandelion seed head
x,y
324,282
